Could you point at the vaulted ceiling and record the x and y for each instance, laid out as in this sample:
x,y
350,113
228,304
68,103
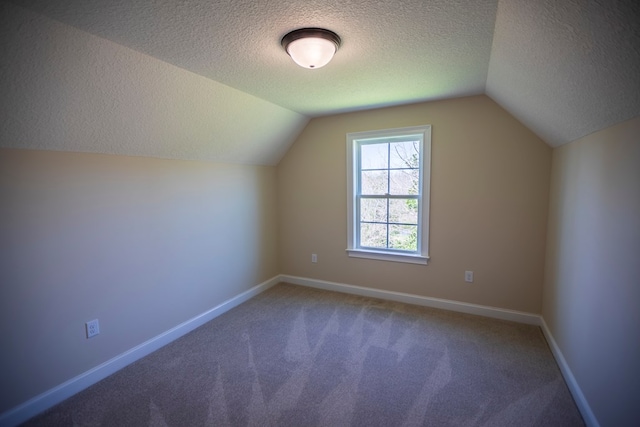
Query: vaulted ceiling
x,y
563,68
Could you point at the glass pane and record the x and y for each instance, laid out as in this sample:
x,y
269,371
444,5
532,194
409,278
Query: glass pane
x,y
373,235
373,210
373,182
405,154
403,237
404,211
374,156
404,182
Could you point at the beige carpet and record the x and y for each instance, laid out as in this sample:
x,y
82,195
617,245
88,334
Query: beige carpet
x,y
295,356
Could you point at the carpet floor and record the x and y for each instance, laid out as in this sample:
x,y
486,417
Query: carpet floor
x,y
295,356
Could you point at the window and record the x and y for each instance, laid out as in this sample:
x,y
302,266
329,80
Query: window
x,y
388,194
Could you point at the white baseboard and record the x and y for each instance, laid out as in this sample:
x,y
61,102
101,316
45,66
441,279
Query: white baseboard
x,y
462,307
67,389
587,414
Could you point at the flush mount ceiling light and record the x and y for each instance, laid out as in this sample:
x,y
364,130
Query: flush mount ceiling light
x,y
311,47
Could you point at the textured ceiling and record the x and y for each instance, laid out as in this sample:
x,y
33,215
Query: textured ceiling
x,y
392,51
564,68
63,89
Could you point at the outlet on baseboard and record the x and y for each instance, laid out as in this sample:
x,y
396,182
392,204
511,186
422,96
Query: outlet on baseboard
x,y
468,276
93,328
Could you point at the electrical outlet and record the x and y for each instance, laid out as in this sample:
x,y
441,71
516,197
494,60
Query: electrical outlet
x,y
468,276
314,258
93,328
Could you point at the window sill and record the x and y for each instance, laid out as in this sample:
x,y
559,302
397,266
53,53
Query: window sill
x,y
387,256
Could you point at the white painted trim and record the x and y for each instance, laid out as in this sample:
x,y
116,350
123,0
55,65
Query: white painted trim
x,y
52,397
581,401
462,307
388,256
354,139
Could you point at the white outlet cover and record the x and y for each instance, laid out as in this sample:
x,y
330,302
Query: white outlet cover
x,y
93,328
468,276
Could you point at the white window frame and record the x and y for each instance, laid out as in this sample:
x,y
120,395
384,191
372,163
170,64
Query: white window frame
x,y
354,140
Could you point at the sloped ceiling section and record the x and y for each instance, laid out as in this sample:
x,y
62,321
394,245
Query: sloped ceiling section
x,y
393,52
566,68
64,89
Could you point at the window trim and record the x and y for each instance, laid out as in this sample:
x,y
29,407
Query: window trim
x,y
422,255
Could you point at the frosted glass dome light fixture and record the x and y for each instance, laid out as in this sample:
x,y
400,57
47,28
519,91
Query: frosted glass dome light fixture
x,y
311,47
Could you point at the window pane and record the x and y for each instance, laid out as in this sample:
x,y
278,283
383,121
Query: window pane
x,y
405,181
374,156
373,182
374,210
373,235
404,211
405,154
403,237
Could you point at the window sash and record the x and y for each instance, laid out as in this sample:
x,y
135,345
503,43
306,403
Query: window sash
x,y
358,143
389,222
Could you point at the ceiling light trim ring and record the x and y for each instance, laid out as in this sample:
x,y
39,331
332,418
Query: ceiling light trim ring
x,y
310,32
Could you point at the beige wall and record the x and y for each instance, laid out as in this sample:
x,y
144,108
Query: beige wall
x,y
141,244
489,199
592,280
